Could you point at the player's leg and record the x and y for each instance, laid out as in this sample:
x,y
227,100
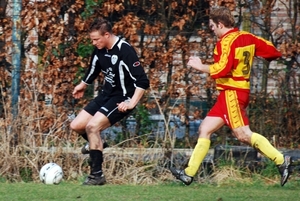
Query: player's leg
x,y
107,115
82,119
262,144
283,162
98,123
259,142
209,125
79,123
112,114
239,123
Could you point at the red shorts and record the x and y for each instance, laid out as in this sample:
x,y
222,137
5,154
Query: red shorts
x,y
231,107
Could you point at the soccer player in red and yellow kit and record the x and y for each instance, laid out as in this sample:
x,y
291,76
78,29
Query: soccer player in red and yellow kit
x,y
233,57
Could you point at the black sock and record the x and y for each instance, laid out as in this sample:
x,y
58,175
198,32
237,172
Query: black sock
x,y
105,145
84,135
96,157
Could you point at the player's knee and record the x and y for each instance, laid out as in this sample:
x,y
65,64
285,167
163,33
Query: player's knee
x,y
203,132
77,126
89,128
73,126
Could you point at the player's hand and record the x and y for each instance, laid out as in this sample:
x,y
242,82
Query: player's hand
x,y
195,62
124,106
78,91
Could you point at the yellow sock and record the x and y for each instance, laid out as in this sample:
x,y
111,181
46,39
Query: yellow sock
x,y
200,151
261,143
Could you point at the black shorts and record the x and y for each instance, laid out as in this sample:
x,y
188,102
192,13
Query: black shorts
x,y
107,106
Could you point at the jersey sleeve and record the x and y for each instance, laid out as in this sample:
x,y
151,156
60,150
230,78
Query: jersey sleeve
x,y
94,69
135,69
265,49
224,58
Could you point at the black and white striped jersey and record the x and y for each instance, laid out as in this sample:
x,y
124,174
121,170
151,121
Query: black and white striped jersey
x,y
121,68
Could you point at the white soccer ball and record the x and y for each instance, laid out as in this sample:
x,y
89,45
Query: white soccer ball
x,y
51,173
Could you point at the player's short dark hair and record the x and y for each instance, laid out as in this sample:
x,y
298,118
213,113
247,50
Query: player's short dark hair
x,y
223,15
101,25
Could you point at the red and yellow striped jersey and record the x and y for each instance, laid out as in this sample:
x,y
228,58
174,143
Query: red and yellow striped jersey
x,y
233,58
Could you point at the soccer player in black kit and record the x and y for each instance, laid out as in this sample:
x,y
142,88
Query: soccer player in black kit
x,y
124,84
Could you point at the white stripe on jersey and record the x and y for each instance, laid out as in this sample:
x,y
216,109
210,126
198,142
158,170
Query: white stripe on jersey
x,y
95,59
122,76
121,72
120,43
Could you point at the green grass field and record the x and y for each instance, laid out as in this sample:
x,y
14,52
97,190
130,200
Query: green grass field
x,y
171,191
